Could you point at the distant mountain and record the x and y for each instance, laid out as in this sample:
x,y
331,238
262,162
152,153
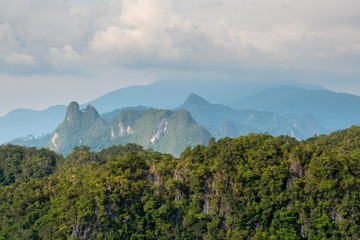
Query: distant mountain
x,y
207,114
25,122
169,94
275,124
224,121
162,130
333,110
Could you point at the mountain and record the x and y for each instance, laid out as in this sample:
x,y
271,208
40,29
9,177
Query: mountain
x,y
251,187
163,130
275,124
80,128
333,110
207,114
223,121
25,122
168,94
165,94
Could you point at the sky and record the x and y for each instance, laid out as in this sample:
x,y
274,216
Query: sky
x,y
53,52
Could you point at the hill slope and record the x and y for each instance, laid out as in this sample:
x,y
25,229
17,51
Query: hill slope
x,y
162,130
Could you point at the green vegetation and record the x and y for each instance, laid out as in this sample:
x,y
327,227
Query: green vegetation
x,y
20,164
250,187
162,130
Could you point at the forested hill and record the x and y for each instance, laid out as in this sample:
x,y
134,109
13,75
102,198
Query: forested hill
x,y
250,187
162,130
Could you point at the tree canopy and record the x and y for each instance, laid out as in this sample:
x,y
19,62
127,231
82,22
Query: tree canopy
x,y
251,187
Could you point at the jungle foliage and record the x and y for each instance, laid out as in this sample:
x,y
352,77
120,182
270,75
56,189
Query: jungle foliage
x,y
251,187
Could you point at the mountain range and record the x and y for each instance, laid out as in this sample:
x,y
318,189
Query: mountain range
x,y
169,94
240,108
165,94
192,123
162,130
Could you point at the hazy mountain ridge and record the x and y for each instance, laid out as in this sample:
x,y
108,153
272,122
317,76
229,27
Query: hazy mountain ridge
x,y
333,110
25,122
166,94
223,121
299,112
169,94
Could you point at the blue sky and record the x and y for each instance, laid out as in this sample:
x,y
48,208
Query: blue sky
x,y
52,52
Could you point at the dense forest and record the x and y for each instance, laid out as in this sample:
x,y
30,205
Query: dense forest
x,y
251,187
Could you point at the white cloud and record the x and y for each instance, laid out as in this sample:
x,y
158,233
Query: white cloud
x,y
64,56
19,59
32,27
150,33
137,34
146,13
7,38
82,38
42,22
192,34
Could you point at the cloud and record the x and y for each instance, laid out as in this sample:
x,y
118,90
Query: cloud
x,y
211,3
7,38
150,33
84,40
197,34
292,45
31,28
42,22
64,56
139,33
19,59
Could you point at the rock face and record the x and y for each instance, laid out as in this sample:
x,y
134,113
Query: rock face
x,y
296,171
73,114
163,130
